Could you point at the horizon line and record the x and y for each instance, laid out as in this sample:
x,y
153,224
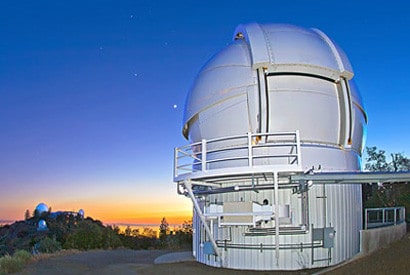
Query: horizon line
x,y
141,224
108,223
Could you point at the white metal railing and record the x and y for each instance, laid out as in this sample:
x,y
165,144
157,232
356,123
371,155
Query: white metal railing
x,y
380,217
250,150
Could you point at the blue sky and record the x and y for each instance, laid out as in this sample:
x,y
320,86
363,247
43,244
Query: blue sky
x,y
88,88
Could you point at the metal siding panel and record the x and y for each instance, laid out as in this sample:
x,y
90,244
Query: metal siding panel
x,y
339,222
353,216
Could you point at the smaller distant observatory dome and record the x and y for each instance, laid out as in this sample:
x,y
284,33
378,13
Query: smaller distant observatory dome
x,y
81,212
42,225
41,208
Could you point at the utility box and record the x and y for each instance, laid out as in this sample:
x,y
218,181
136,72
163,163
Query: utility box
x,y
326,235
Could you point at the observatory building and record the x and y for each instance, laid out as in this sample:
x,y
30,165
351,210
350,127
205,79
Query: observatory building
x,y
41,208
277,104
42,225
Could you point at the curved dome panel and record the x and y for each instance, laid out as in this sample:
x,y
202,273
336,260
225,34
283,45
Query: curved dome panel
x,y
228,75
285,48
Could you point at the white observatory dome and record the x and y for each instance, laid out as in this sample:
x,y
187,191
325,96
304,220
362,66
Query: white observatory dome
x,y
278,101
81,212
275,78
41,208
42,225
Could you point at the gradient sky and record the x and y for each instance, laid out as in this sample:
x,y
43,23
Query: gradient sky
x,y
92,92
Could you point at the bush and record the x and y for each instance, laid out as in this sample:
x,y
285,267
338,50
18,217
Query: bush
x,y
110,239
10,264
88,235
48,245
23,255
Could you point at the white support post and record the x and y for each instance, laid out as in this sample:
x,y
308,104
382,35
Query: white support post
x,y
299,153
403,213
203,154
250,161
396,210
203,221
276,194
175,162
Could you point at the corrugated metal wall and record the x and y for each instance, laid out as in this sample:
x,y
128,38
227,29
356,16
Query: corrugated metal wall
x,y
337,206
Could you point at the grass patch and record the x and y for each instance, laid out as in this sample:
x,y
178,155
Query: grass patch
x,y
9,264
23,256
17,262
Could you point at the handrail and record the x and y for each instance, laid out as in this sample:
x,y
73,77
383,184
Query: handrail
x,y
381,217
251,148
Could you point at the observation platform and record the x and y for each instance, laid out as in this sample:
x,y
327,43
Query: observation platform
x,y
231,157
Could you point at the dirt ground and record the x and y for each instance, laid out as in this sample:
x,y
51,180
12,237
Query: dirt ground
x,y
394,259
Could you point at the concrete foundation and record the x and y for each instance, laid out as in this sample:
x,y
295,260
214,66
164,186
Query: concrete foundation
x,y
374,239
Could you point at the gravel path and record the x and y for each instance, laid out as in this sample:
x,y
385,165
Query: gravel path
x,y
394,259
120,261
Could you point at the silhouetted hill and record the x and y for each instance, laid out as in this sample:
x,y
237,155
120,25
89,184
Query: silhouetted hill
x,y
52,231
49,232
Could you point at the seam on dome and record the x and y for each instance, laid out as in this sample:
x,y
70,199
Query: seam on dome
x,y
268,45
333,49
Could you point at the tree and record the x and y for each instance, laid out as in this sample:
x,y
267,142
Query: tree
x,y
184,236
164,226
127,231
27,215
187,227
87,235
376,161
135,232
149,232
399,162
163,231
390,194
48,245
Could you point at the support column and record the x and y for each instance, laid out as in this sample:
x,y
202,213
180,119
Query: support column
x,y
276,194
188,187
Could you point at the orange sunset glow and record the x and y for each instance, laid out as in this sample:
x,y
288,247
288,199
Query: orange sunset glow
x,y
111,207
